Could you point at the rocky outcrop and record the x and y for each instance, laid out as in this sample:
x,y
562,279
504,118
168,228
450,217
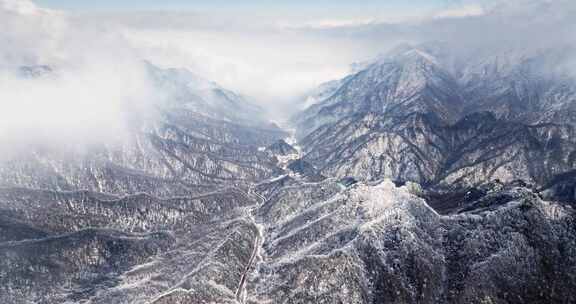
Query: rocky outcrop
x,y
281,148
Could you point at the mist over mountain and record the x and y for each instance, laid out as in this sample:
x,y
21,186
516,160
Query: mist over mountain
x,y
352,155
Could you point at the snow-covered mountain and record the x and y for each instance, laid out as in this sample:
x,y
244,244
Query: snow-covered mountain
x,y
408,81
422,178
424,114
199,95
381,243
287,240
200,139
76,218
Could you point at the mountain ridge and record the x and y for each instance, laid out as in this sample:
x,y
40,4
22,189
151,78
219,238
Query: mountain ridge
x,y
369,110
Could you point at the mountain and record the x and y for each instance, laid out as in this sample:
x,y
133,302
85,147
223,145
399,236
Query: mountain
x,y
533,87
409,81
477,149
281,148
423,114
185,89
34,71
305,242
117,221
379,243
421,178
178,149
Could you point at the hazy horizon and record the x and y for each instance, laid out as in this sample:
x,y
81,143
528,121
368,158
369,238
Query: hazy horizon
x,y
271,55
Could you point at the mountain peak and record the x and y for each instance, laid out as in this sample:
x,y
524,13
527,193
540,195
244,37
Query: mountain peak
x,y
416,55
34,71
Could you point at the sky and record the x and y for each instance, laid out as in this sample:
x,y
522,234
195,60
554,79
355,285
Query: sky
x,y
284,12
343,7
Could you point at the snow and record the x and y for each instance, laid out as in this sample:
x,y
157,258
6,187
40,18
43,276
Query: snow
x,y
377,199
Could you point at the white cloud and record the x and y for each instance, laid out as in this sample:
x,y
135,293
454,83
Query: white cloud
x,y
272,66
25,29
22,7
96,76
461,11
327,23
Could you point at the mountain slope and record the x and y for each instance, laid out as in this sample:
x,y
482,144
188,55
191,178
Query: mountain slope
x,y
424,114
176,149
420,148
379,243
140,219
